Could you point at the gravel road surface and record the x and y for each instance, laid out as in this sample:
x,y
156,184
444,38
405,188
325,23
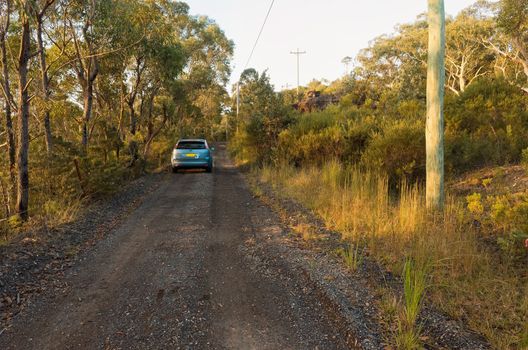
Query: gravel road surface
x,y
175,275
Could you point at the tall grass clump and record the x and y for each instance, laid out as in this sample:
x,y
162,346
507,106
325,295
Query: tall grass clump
x,y
415,277
352,256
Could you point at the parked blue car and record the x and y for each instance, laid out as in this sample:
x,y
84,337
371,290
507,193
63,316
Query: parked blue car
x,y
192,154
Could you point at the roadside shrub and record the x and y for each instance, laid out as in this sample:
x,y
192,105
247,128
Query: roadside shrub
x,y
311,147
524,158
486,125
242,148
510,216
474,204
398,150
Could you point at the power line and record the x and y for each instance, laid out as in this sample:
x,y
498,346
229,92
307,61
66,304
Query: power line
x,y
249,59
259,34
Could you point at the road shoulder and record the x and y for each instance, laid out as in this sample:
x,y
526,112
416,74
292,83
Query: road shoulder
x,y
38,260
353,297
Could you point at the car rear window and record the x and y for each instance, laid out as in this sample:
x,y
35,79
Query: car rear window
x,y
191,145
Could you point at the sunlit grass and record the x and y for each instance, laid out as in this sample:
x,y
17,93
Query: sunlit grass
x,y
472,281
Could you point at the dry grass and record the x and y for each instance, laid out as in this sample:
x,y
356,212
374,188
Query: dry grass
x,y
472,280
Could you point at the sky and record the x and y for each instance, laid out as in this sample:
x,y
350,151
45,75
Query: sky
x,y
328,30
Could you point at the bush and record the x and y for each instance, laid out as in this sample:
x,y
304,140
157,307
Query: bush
x,y
398,150
486,125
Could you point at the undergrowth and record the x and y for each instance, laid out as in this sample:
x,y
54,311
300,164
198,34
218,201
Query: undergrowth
x,y
64,183
474,279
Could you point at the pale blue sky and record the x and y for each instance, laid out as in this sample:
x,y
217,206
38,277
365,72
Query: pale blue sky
x,y
327,29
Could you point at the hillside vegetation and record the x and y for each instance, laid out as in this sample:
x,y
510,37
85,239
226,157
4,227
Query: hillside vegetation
x,y
360,165
96,92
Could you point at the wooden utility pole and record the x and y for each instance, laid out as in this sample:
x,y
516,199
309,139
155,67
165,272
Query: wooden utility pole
x,y
434,133
237,104
298,54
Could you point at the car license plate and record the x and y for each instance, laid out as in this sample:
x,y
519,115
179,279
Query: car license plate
x,y
191,155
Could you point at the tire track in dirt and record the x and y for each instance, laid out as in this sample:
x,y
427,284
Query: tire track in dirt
x,y
175,275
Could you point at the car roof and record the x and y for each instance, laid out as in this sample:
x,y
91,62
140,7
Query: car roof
x,y
192,140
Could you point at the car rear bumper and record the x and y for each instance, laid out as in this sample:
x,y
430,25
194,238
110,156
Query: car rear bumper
x,y
191,163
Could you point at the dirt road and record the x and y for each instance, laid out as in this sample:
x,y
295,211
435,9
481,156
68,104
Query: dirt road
x,y
176,275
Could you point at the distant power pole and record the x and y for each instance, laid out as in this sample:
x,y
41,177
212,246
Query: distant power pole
x,y
346,61
237,103
286,86
298,54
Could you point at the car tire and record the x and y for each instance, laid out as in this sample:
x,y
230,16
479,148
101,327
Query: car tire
x,y
209,169
174,169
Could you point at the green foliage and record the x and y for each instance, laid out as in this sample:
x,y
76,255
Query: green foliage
x,y
486,125
263,116
414,286
510,216
311,139
474,204
155,73
524,158
513,244
398,149
507,216
513,16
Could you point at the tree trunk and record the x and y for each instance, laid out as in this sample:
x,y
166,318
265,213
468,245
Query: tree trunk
x,y
121,112
131,100
132,117
45,86
435,104
23,123
87,69
152,133
8,112
87,112
150,128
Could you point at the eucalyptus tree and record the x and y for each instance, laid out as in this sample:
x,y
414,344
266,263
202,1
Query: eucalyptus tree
x,y
347,60
263,113
513,20
39,10
397,63
435,106
146,22
84,53
467,57
206,71
160,83
24,56
5,20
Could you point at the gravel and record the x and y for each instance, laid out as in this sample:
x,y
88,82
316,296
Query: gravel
x,y
37,260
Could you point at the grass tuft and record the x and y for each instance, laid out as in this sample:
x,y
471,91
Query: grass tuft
x,y
352,256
